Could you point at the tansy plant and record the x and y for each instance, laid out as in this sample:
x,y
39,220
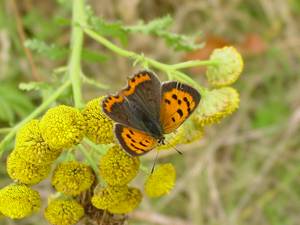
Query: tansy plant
x,y
97,186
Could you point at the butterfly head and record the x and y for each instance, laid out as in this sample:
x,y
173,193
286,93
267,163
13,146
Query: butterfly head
x,y
161,140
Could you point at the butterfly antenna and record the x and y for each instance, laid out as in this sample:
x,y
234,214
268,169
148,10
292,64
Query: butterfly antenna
x,y
154,163
173,146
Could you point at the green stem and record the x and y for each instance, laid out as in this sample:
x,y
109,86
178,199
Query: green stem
x,y
89,159
109,44
33,115
5,130
74,67
169,69
92,82
98,148
194,63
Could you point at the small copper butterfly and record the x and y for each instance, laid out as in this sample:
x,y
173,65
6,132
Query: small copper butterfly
x,y
147,109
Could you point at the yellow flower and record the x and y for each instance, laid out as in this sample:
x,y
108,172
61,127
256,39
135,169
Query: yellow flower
x,y
186,133
24,172
62,127
99,126
18,201
64,212
161,181
227,70
127,205
215,105
31,146
72,178
109,196
117,167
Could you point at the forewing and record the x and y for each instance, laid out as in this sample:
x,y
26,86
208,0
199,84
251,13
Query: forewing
x,y
141,95
178,102
134,141
144,90
116,107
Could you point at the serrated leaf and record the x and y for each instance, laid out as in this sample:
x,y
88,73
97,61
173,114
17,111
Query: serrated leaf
x,y
13,102
62,21
151,27
180,42
51,51
158,27
34,86
112,29
92,56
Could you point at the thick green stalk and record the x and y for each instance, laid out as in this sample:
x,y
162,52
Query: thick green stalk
x,y
74,67
33,115
194,63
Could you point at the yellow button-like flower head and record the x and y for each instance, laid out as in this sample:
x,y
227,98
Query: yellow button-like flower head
x,y
215,105
25,172
117,167
62,127
64,212
105,198
161,181
99,127
31,145
227,70
72,178
18,201
129,203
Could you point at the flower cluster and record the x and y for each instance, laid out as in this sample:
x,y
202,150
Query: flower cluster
x,y
18,201
117,169
161,181
72,178
64,211
117,199
99,126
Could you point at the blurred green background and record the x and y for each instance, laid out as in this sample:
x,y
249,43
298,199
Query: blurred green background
x,y
246,169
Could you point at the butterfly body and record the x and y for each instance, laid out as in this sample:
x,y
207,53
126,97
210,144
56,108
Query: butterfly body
x,y
147,109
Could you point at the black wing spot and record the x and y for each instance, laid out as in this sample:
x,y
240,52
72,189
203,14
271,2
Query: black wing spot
x,y
189,109
138,76
133,80
131,132
167,101
179,102
147,141
179,111
137,148
186,101
109,98
128,136
142,144
173,119
174,96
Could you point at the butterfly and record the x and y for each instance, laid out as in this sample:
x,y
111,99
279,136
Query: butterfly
x,y
147,109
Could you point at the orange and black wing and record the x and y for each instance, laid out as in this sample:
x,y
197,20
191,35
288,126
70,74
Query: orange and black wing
x,y
178,101
134,141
